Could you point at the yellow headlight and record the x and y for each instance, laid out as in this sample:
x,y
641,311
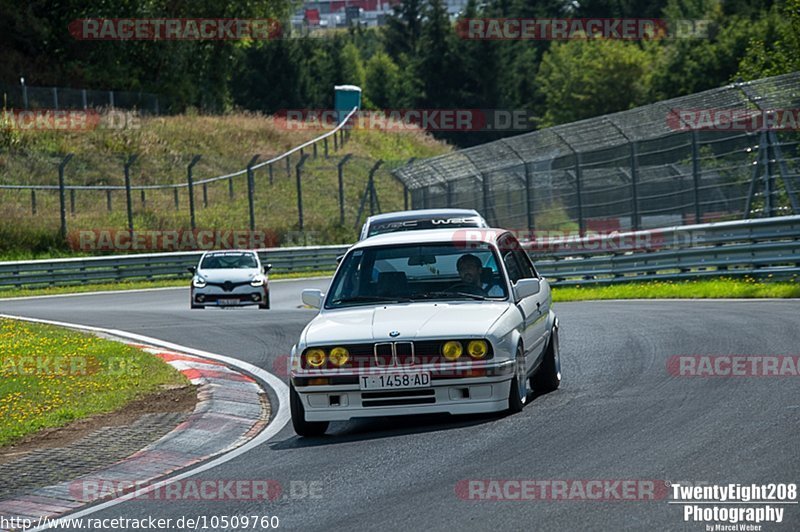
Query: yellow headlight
x,y
315,357
339,356
452,350
477,348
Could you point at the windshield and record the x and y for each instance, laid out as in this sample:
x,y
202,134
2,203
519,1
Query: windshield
x,y
223,261
397,274
393,226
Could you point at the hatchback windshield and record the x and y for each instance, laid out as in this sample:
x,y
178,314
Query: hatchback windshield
x,y
417,272
221,261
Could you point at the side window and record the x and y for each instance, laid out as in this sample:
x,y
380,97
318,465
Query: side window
x,y
511,266
525,264
507,245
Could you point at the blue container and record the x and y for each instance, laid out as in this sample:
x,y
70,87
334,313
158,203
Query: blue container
x,y
347,97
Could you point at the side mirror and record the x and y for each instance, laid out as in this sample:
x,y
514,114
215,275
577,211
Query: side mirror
x,y
192,269
312,297
339,259
267,268
526,288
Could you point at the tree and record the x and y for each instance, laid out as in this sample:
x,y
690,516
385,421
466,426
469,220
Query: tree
x,y
404,29
382,81
352,67
777,51
437,62
581,79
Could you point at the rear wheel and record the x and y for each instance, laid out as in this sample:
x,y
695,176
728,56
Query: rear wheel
x,y
548,377
301,426
518,393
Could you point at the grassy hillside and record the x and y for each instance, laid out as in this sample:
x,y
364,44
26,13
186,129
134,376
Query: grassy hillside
x,y
165,145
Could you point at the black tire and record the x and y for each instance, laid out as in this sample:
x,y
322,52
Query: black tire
x,y
265,305
201,307
301,426
548,377
516,396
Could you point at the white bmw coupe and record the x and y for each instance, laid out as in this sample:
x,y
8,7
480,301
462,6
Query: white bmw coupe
x,y
447,320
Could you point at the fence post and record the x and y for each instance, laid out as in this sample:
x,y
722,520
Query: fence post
x,y
449,193
528,197
635,222
579,191
108,200
33,201
288,166
314,146
405,187
55,98
144,199
205,195
299,172
270,173
369,191
230,188
485,191
769,205
696,176
335,141
72,201
325,143
25,96
340,171
128,201
194,161
251,185
111,98
61,194
175,197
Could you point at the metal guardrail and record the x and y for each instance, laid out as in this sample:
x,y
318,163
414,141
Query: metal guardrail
x,y
152,266
768,246
758,248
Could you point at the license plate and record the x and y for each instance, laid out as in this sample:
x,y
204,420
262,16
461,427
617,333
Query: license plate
x,y
395,381
228,301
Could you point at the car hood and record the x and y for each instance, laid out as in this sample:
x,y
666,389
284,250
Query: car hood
x,y
413,321
233,275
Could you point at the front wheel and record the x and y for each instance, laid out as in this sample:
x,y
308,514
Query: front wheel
x,y
518,393
548,377
265,304
301,426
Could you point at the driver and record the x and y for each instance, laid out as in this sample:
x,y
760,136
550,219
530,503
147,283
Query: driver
x,y
469,269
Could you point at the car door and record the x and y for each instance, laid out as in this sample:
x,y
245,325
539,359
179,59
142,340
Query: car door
x,y
533,323
543,300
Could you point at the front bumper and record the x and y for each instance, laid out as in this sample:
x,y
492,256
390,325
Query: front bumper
x,y
467,395
239,296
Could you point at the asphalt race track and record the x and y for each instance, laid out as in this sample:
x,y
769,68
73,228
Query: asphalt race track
x,y
619,414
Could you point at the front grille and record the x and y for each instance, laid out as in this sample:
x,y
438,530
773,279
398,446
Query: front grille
x,y
399,398
405,353
381,355
228,286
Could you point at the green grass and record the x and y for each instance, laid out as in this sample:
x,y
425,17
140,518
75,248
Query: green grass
x,y
746,288
131,285
51,376
165,146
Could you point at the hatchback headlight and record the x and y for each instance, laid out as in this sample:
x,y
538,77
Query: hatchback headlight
x,y
258,281
198,282
452,350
